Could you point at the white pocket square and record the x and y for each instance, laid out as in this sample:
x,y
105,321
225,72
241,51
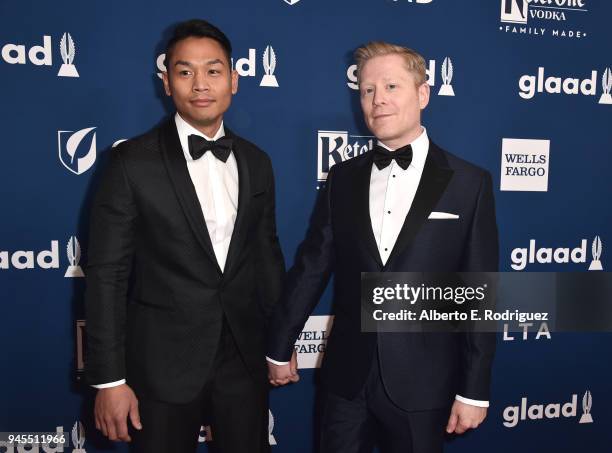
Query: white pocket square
x,y
442,215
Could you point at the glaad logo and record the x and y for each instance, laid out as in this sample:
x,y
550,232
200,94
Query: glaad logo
x,y
45,259
337,146
310,345
514,414
246,66
529,85
524,165
562,255
206,434
519,12
67,50
430,71
43,55
68,145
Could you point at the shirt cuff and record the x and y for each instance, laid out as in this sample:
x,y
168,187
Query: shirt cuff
x,y
478,403
109,384
275,362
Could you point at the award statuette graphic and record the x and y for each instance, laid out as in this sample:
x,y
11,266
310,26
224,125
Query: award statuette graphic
x,y
67,49
73,251
447,76
606,85
269,64
596,249
291,2
587,403
78,437
271,439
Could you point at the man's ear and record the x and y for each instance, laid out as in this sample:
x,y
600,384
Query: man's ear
x,y
234,81
424,92
166,83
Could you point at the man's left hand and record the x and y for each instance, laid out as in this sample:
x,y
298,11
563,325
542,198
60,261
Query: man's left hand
x,y
465,416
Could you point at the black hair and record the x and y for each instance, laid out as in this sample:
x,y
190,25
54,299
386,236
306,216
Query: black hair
x,y
197,28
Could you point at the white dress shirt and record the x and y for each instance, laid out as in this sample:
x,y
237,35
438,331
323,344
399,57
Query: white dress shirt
x,y
216,185
392,192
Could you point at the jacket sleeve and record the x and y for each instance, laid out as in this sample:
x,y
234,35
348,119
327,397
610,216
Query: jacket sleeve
x,y
481,254
306,280
111,248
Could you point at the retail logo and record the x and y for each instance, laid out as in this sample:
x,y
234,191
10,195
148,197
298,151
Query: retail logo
x,y
245,66
42,55
541,83
312,340
563,255
513,415
337,146
77,150
44,259
446,72
558,18
524,165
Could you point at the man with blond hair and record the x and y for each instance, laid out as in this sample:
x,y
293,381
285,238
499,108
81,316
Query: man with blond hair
x,y
406,206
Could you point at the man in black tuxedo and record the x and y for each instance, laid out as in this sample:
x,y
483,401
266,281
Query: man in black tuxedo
x,y
406,206
186,214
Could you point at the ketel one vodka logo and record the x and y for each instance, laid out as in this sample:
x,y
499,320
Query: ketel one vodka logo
x,y
337,146
446,73
562,255
77,150
245,66
516,15
513,415
42,55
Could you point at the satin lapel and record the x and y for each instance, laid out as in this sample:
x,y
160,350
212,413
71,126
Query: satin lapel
x,y
244,196
362,201
174,159
434,180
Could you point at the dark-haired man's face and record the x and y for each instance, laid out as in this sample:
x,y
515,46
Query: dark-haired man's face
x,y
201,82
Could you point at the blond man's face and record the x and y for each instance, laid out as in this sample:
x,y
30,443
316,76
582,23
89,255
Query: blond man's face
x,y
391,101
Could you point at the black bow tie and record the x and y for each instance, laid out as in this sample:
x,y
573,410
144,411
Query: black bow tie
x,y
199,145
383,157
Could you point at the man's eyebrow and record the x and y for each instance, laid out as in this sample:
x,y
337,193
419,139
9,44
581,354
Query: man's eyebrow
x,y
215,61
182,63
208,63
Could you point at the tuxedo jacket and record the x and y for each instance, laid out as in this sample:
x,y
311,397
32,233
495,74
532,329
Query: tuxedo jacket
x,y
419,370
156,296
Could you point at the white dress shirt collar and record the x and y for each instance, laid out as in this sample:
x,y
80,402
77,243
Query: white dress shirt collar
x,y
420,147
185,129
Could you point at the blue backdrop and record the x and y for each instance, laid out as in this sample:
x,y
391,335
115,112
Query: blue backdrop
x,y
520,87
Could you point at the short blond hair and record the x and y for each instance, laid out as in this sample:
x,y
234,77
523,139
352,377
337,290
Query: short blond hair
x,y
414,62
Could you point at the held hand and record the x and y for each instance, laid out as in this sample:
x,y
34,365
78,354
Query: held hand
x,y
113,405
465,416
283,374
